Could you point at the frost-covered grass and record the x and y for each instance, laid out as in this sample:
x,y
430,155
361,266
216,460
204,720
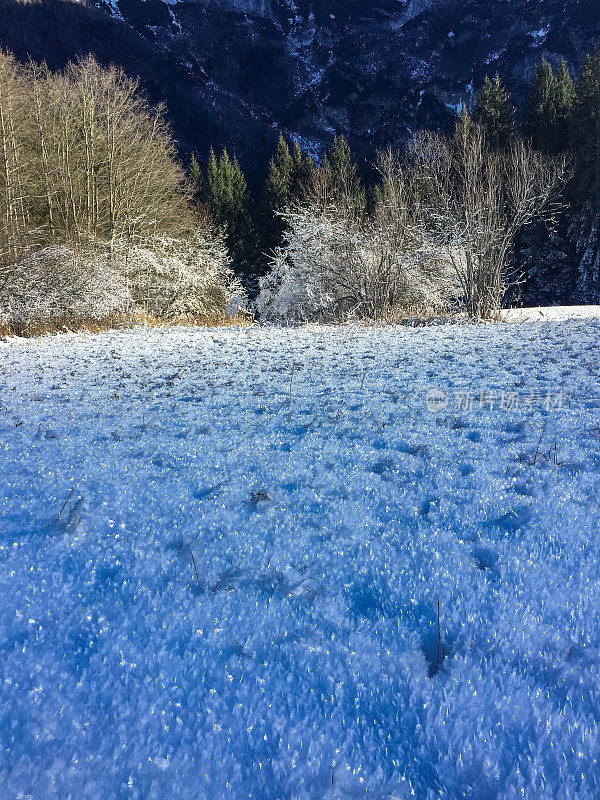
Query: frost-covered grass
x,y
327,514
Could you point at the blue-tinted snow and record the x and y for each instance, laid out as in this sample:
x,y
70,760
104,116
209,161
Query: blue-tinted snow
x,y
327,512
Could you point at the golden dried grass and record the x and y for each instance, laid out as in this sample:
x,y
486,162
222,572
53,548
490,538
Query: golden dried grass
x,y
117,321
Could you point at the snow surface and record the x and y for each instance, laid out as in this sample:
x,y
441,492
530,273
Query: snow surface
x,y
549,313
327,511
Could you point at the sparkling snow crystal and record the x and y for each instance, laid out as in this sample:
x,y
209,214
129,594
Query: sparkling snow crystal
x,y
223,552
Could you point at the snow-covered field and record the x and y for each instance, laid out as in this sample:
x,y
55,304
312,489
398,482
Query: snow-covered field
x,y
222,553
549,313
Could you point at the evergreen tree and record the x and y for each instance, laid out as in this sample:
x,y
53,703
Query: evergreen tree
x,y
303,167
339,161
195,177
540,105
226,190
587,125
495,113
299,163
281,169
549,108
566,97
341,174
213,190
225,193
288,171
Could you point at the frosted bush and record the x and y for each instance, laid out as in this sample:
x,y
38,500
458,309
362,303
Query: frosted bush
x,y
60,282
180,279
171,279
334,266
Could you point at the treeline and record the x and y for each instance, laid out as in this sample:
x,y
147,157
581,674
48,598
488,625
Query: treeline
x,y
559,115
253,225
96,217
99,221
434,236
559,123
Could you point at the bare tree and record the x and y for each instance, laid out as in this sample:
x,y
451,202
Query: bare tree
x,y
94,212
14,174
477,199
41,89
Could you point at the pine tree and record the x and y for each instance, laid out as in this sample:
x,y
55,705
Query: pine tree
x,y
339,159
495,113
195,177
341,174
225,193
298,161
213,192
566,97
540,106
289,170
549,108
281,168
226,190
587,125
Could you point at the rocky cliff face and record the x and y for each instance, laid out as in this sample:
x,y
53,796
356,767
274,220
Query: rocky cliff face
x,y
372,69
233,71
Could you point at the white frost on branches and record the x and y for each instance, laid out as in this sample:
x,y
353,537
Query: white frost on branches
x,y
333,266
439,236
60,281
184,279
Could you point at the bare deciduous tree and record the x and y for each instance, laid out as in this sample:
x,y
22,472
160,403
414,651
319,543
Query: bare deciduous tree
x,y
15,164
477,199
92,198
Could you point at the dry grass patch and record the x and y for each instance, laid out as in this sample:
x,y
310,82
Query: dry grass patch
x,y
118,321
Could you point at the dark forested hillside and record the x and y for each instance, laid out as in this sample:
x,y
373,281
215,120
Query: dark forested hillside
x,y
232,71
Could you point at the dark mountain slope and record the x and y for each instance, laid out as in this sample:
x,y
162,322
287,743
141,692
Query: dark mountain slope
x,y
58,32
232,71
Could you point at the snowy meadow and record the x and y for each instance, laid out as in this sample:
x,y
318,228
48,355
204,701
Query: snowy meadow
x,y
313,563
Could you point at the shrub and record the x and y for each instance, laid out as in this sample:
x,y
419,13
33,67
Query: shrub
x,y
183,280
339,262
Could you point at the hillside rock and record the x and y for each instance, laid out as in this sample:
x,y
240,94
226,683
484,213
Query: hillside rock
x,y
234,71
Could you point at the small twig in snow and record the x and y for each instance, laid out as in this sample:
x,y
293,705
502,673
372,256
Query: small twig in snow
x,y
439,642
64,506
289,400
194,563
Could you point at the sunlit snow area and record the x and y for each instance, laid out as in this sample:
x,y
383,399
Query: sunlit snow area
x,y
222,553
